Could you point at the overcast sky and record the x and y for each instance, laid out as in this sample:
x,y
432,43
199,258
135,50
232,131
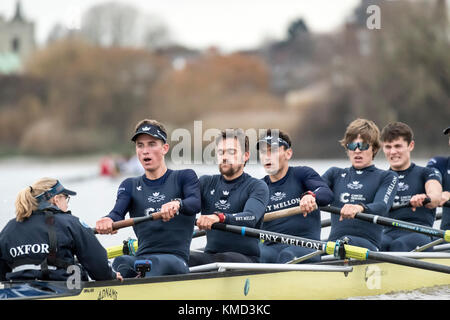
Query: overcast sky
x,y
228,24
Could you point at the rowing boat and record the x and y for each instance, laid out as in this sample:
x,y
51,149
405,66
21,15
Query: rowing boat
x,y
362,273
240,281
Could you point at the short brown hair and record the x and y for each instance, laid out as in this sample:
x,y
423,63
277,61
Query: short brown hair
x,y
368,131
151,122
238,134
395,130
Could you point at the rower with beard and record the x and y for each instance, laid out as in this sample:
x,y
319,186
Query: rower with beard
x,y
415,184
360,188
442,164
231,197
175,193
290,187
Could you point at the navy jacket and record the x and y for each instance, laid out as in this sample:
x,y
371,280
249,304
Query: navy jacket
x,y
286,193
411,182
27,243
141,196
243,201
442,164
373,187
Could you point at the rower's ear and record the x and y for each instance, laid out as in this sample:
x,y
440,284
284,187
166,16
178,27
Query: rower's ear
x,y
411,146
165,148
289,153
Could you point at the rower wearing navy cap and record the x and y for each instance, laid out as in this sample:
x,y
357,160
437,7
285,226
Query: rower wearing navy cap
x,y
290,187
164,243
415,184
442,164
231,197
43,240
360,188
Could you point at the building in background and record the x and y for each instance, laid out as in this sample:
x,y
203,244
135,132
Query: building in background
x,y
17,41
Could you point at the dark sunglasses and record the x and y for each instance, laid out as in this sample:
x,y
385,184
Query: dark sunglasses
x,y
67,197
360,145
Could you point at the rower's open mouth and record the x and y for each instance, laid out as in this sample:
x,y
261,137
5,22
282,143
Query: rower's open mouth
x,y
146,160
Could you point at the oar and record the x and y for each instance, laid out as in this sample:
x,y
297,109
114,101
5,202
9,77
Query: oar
x,y
282,213
327,222
330,247
388,222
132,221
119,250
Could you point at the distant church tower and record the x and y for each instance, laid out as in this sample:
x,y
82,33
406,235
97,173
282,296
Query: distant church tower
x,y
17,36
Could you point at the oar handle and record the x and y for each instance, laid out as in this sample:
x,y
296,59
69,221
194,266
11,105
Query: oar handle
x,y
408,205
282,213
132,221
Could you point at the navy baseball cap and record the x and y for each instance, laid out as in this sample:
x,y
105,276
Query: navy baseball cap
x,y
446,130
273,141
58,188
151,130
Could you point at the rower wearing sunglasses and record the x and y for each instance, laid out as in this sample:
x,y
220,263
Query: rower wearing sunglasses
x,y
360,188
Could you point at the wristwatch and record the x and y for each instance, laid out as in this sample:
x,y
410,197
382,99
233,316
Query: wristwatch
x,y
180,201
221,216
365,208
308,192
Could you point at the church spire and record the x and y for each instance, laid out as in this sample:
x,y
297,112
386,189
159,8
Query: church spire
x,y
18,15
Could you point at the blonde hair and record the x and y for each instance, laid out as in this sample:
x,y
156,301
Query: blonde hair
x,y
368,131
26,202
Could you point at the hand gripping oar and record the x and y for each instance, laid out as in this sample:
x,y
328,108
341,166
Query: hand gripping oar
x,y
132,221
327,222
388,222
337,248
116,251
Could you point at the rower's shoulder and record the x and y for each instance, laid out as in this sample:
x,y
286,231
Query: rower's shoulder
x,y
257,182
207,179
302,171
10,224
335,171
385,173
438,162
186,175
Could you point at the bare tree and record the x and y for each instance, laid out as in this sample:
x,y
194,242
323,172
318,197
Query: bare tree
x,y
114,24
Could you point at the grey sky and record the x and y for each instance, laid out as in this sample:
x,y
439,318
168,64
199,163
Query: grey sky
x,y
228,24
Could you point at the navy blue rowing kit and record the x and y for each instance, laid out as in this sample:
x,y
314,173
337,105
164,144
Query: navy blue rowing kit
x,y
243,201
442,164
45,245
140,197
286,193
411,182
370,186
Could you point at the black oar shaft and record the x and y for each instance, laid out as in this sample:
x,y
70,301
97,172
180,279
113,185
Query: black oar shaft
x,y
388,222
408,262
401,224
271,236
329,247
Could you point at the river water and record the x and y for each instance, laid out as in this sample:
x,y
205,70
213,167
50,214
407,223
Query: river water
x,y
96,196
